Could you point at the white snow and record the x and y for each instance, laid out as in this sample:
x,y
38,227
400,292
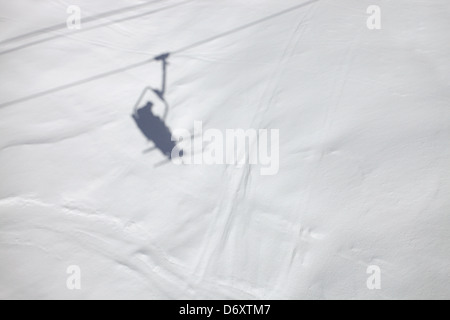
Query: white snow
x,y
364,150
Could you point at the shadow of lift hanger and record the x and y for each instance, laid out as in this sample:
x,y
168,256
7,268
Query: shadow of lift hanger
x,y
142,63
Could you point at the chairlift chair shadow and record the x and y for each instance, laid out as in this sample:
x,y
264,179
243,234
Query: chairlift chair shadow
x,y
152,126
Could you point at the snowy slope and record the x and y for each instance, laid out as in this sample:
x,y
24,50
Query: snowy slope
x,y
364,150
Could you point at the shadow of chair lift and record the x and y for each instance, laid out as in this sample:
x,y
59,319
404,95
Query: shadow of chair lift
x,y
152,125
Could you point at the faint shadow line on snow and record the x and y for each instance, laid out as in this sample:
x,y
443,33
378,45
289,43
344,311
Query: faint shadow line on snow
x,y
75,84
142,63
55,140
246,26
84,20
30,44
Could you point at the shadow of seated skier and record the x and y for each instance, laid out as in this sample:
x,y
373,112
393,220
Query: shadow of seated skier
x,y
153,126
154,129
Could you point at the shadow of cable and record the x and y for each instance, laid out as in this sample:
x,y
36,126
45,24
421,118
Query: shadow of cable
x,y
246,26
85,20
142,63
30,44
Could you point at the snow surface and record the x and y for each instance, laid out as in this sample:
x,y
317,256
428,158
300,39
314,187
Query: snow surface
x,y
364,150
